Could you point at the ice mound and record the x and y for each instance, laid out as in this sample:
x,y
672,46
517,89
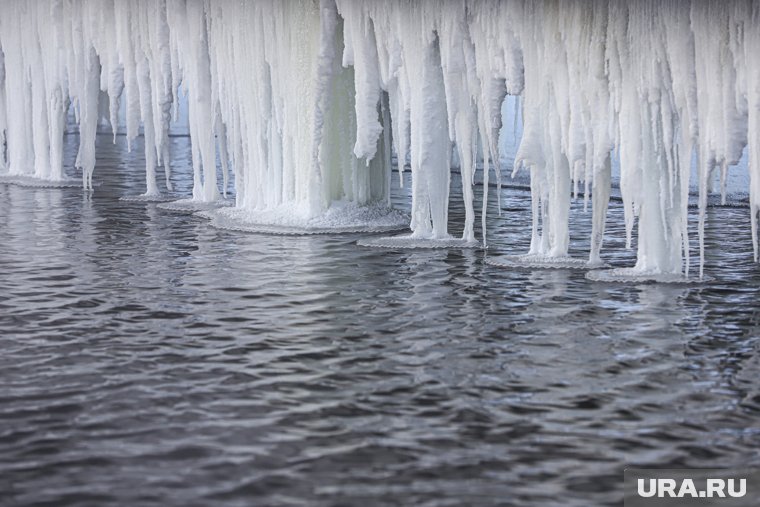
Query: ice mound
x,y
540,261
408,241
632,275
148,198
193,206
28,181
287,220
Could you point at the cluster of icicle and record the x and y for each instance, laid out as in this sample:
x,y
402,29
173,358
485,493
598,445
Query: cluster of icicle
x,y
305,99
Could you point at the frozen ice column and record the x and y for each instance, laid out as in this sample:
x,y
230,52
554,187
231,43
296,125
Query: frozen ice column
x,y
287,103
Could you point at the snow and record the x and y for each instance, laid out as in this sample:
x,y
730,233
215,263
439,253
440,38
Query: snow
x,y
302,103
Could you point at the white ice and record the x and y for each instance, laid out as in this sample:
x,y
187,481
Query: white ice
x,y
304,101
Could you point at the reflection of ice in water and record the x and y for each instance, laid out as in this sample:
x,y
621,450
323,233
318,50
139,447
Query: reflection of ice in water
x,y
411,242
631,275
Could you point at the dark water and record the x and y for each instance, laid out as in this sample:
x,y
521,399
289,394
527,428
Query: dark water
x,y
147,359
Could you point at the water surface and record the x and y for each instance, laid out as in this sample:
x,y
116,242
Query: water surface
x,y
148,359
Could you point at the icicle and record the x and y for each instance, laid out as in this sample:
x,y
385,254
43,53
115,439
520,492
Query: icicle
x,y
430,143
224,157
750,62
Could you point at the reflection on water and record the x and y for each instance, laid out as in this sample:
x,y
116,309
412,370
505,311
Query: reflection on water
x,y
148,359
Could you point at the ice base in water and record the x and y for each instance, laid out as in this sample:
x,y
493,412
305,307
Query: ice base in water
x,y
149,198
632,275
193,206
540,261
338,219
32,182
408,241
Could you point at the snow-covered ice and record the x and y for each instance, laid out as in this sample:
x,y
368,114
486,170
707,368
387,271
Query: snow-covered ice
x,y
340,217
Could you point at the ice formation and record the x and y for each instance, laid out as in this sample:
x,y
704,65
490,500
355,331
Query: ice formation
x,y
304,102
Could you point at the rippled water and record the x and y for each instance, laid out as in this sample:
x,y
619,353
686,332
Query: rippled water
x,y
148,359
